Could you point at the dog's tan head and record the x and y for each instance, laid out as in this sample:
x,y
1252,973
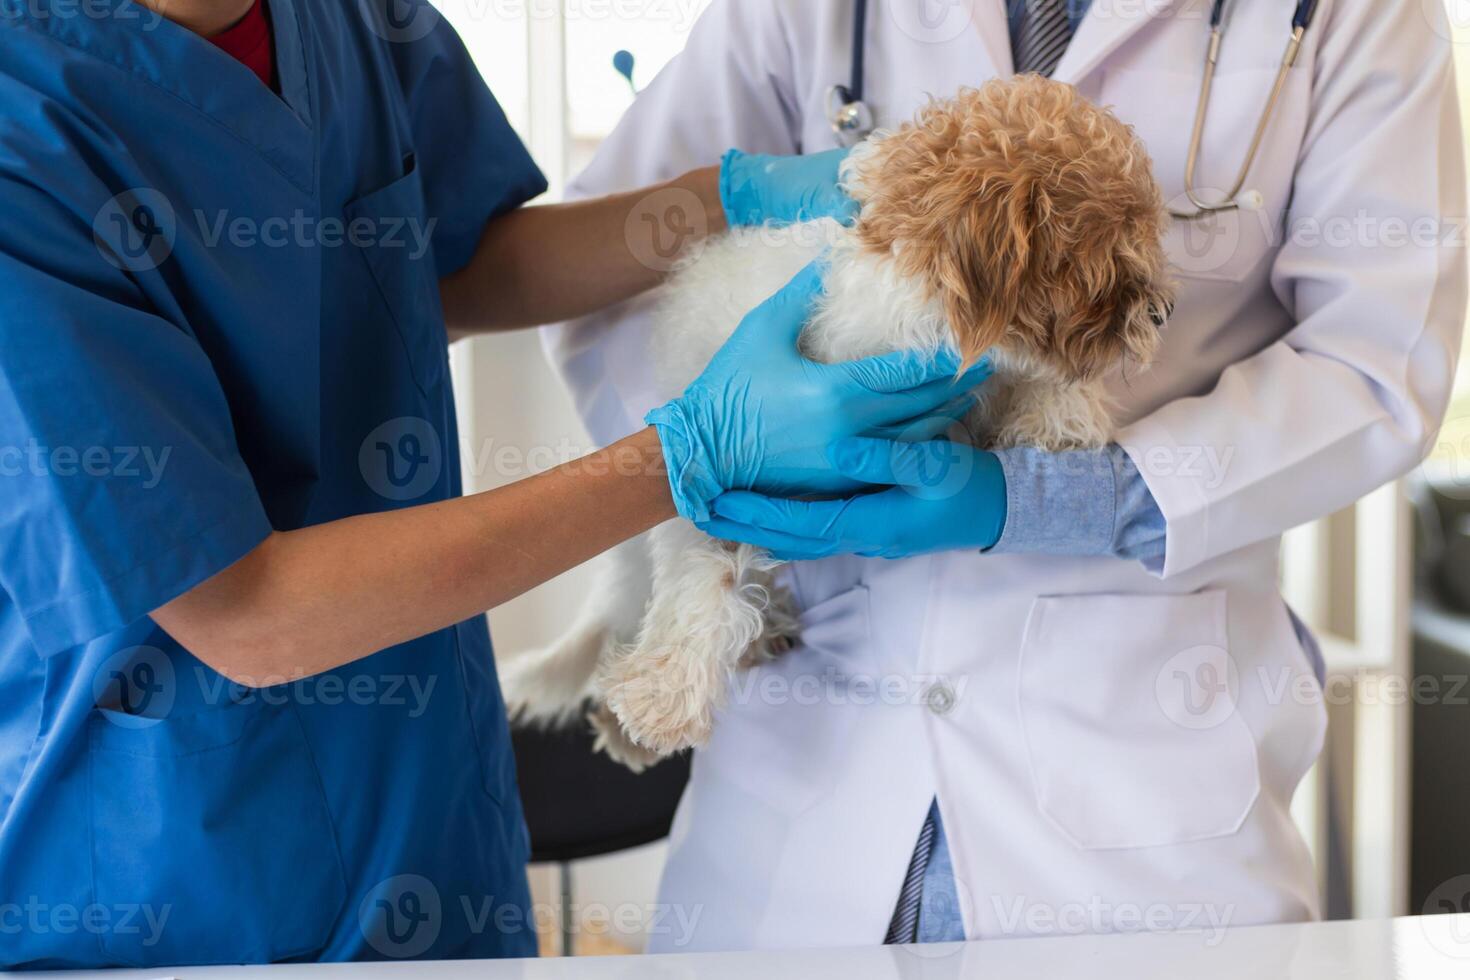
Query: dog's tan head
x,y
1033,216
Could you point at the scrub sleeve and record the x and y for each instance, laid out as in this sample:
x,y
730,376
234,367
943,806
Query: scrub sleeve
x,y
123,484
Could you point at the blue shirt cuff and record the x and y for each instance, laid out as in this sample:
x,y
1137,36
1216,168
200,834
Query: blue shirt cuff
x,y
1083,503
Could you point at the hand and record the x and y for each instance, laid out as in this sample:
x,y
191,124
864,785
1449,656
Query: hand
x,y
757,189
762,416
942,496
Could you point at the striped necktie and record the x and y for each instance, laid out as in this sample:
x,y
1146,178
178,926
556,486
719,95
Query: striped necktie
x,y
1045,32
905,925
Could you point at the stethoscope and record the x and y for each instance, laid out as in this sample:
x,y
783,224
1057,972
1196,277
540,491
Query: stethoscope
x,y
852,118
1300,21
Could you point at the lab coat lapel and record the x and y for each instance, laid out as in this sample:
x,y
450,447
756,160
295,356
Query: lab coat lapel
x,y
1106,27
993,23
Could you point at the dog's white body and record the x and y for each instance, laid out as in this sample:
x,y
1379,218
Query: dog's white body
x,y
677,612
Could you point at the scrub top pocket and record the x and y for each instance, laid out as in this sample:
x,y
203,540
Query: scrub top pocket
x,y
213,830
1129,708
485,710
392,231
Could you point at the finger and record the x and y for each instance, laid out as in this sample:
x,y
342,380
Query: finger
x,y
884,462
844,209
832,202
830,161
785,547
926,427
906,370
925,398
821,520
829,200
782,318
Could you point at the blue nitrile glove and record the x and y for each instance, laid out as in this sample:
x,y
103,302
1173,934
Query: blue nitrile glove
x,y
758,189
942,496
761,416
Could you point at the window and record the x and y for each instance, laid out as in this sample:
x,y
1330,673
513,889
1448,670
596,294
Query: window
x,y
550,62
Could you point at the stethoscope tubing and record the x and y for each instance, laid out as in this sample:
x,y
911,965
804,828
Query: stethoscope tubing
x,y
851,116
859,51
1300,22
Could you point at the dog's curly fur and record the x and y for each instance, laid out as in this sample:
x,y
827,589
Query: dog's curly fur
x,y
1017,221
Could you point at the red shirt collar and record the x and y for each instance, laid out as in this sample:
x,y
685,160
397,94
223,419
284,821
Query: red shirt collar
x,y
250,43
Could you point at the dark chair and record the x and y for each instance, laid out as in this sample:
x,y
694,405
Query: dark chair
x,y
1440,851
580,804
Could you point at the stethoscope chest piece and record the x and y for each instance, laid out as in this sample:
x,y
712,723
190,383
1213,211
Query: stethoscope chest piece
x,y
852,119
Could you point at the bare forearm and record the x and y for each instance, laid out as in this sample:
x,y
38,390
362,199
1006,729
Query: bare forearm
x,y
558,262
311,600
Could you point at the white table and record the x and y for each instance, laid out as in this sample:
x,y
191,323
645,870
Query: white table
x,y
1432,948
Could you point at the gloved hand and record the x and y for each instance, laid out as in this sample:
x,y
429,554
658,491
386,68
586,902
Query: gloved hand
x,y
942,496
761,416
757,189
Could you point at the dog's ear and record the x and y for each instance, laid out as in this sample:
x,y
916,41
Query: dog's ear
x,y
940,199
978,266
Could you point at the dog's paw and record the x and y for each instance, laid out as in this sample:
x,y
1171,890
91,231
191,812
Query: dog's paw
x,y
612,740
781,635
665,698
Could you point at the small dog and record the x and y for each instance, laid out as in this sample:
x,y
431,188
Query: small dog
x,y
1016,221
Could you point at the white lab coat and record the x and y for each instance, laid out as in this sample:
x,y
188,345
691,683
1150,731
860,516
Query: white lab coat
x,y
1092,771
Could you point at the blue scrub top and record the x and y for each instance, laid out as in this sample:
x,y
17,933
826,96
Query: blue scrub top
x,y
219,316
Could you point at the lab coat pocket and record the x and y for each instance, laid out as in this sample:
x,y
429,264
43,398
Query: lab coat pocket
x,y
784,735
1128,704
393,233
213,829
